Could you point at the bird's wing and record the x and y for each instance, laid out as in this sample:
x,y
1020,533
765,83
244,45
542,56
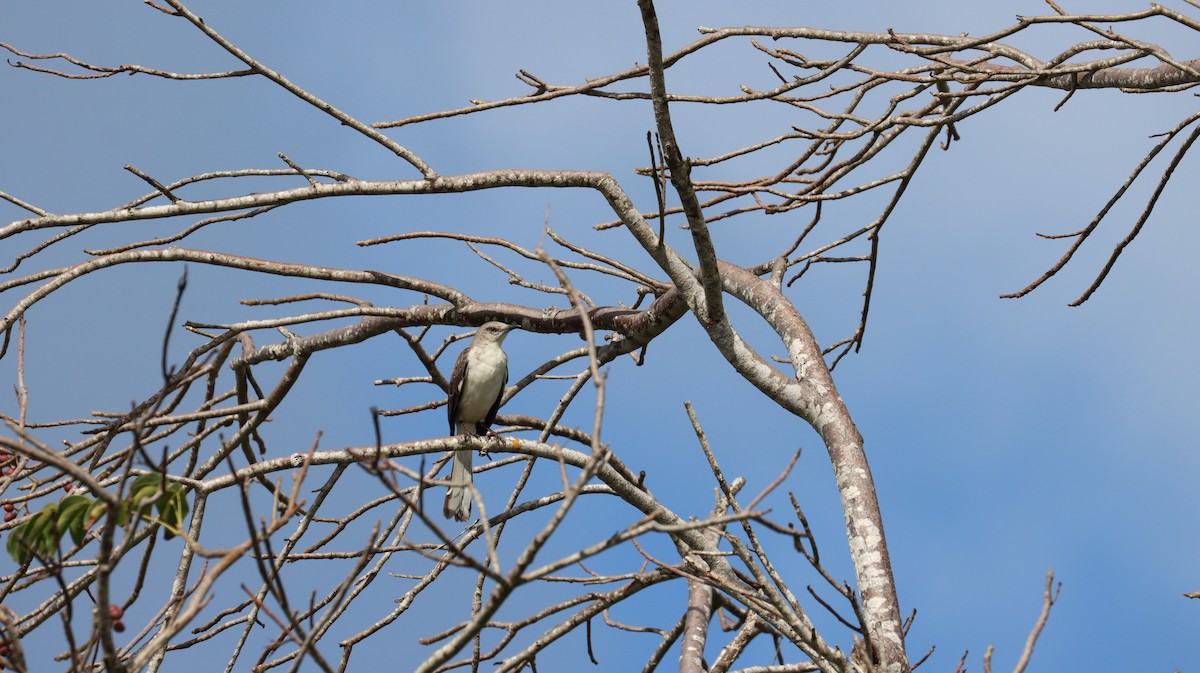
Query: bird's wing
x,y
458,379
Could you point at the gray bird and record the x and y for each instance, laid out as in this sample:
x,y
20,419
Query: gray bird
x,y
476,386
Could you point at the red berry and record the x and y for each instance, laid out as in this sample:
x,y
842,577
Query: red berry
x,y
115,611
119,626
8,507
9,516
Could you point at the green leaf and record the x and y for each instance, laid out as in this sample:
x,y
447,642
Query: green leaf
x,y
181,506
71,507
94,513
172,508
48,543
42,532
143,496
18,549
43,521
76,514
146,488
72,515
144,480
150,493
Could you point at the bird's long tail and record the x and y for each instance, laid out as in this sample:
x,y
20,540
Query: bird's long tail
x,y
458,495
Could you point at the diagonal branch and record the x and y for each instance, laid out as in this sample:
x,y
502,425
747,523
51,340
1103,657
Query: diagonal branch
x,y
711,310
302,94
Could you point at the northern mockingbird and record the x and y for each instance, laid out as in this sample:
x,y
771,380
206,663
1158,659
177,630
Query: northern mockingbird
x,y
476,386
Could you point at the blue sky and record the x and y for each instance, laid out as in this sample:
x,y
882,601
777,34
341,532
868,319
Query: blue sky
x,y
1006,436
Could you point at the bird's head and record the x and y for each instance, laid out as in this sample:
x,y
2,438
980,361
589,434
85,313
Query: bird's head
x,y
493,332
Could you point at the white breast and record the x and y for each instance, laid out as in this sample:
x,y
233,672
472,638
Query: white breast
x,y
486,369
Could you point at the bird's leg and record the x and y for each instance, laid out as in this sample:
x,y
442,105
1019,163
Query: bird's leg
x,y
490,434
486,434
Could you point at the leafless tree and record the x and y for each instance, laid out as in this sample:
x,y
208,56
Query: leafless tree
x,y
211,407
